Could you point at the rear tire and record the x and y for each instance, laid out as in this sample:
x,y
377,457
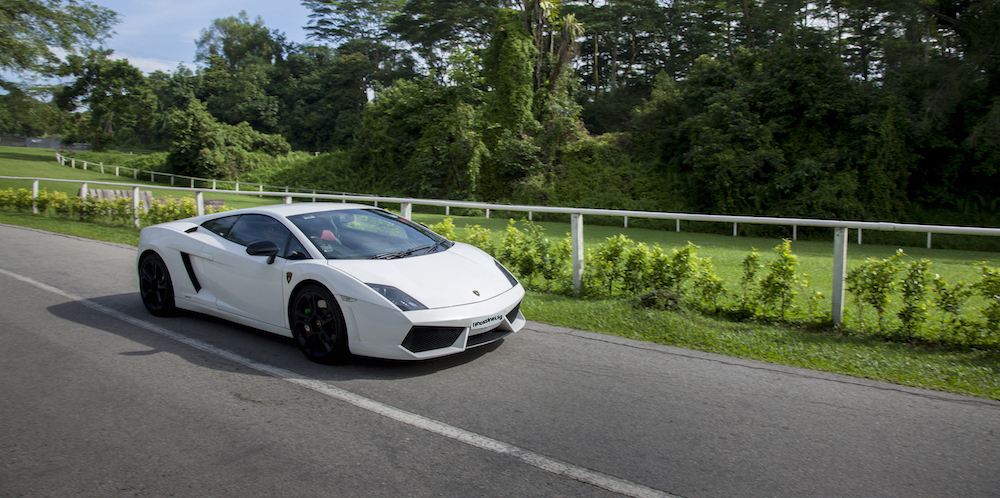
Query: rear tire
x,y
318,325
155,286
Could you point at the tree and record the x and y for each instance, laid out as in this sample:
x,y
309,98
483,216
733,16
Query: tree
x,y
239,42
115,93
33,29
419,138
240,94
321,97
204,147
360,26
24,112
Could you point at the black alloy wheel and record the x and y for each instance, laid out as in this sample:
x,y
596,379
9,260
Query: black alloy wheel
x,y
155,287
318,325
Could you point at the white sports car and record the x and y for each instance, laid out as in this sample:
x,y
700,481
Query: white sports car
x,y
341,279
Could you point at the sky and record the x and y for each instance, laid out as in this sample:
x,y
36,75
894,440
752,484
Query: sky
x,y
160,34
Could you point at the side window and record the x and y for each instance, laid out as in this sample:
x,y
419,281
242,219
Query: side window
x,y
253,227
295,249
220,226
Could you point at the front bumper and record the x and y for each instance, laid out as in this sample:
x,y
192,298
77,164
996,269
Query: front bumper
x,y
423,334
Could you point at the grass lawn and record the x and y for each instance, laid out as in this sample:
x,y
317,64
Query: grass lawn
x,y
961,370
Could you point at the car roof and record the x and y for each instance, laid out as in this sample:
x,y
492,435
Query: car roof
x,y
285,210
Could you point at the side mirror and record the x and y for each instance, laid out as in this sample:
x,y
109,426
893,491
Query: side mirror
x,y
263,248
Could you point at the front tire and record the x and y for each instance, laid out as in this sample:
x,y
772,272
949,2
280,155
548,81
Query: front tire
x,y
155,286
318,325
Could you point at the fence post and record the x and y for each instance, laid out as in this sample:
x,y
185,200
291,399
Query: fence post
x,y
116,170
447,211
199,200
314,196
839,274
487,213
678,224
288,199
859,236
192,182
237,186
406,210
928,240
135,174
576,234
83,190
734,229
135,206
72,163
626,221
795,232
34,197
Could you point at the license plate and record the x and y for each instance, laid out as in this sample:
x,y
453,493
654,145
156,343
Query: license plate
x,y
487,322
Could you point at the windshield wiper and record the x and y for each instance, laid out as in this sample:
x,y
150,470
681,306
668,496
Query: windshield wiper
x,y
437,245
401,254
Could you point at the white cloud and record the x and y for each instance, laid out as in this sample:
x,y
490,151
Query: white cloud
x,y
148,65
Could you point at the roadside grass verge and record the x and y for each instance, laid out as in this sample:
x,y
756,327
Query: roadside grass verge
x,y
961,370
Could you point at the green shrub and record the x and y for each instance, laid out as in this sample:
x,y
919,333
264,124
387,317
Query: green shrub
x,y
989,287
708,287
914,289
169,210
778,287
951,299
872,282
479,237
7,198
445,229
22,199
608,261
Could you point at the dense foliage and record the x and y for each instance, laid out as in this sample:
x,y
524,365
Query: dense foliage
x,y
860,110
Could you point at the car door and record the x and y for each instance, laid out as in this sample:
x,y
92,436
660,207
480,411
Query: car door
x,y
247,285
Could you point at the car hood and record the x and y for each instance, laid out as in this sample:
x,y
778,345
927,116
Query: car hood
x,y
463,274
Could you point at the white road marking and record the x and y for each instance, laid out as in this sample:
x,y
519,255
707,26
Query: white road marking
x,y
538,460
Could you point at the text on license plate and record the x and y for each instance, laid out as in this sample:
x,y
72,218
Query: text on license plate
x,y
487,322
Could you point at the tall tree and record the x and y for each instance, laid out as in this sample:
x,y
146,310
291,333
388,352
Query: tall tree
x,y
34,29
115,93
239,41
341,21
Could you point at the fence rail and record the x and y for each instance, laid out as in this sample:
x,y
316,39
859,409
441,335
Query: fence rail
x,y
840,228
190,180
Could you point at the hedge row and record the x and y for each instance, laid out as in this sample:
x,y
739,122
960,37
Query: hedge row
x,y
117,211
930,309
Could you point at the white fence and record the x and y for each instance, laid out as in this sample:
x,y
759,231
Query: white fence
x,y
176,180
840,228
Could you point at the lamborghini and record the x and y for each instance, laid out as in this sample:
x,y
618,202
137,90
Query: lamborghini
x,y
340,279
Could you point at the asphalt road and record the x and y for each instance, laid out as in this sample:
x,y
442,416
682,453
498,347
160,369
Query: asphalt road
x,y
98,398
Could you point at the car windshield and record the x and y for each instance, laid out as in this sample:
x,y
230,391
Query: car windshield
x,y
367,234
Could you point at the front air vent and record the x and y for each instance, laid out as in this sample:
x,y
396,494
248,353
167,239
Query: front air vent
x,y
422,338
487,337
513,313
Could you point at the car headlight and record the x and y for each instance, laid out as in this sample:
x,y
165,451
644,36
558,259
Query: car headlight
x,y
402,300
